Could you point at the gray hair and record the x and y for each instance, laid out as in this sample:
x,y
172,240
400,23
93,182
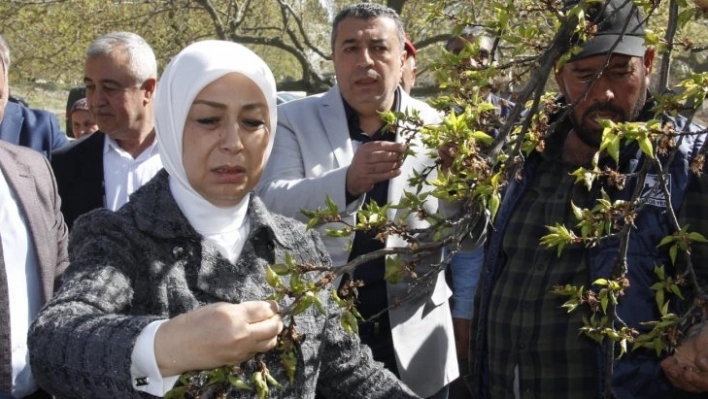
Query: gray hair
x,y
4,55
141,58
367,11
469,32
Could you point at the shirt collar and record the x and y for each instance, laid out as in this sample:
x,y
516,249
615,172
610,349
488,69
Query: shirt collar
x,y
110,145
351,113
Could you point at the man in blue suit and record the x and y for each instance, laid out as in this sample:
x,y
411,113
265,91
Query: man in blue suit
x,y
27,127
32,128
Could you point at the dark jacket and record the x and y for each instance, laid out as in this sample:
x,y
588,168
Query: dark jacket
x,y
32,128
78,168
636,374
146,262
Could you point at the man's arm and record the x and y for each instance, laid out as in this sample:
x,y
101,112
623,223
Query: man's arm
x,y
57,136
285,187
687,368
59,228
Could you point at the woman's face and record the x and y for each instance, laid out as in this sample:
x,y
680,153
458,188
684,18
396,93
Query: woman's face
x,y
225,138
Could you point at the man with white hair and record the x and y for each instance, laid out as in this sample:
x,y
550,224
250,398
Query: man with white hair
x,y
120,75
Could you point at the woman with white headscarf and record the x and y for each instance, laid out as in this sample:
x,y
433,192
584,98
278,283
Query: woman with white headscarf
x,y
174,281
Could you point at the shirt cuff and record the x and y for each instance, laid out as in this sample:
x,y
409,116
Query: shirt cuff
x,y
462,309
466,268
144,373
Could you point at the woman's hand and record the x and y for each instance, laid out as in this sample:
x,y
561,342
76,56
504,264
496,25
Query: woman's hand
x,y
687,369
215,335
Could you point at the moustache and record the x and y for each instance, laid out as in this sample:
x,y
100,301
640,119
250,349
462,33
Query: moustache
x,y
367,74
604,108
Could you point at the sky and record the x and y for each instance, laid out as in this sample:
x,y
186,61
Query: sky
x,y
329,6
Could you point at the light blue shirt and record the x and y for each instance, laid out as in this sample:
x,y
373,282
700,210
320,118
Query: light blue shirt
x,y
465,267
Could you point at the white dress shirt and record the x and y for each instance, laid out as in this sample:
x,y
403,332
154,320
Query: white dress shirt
x,y
23,285
124,174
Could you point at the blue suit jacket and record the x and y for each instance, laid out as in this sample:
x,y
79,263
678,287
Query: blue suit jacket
x,y
32,128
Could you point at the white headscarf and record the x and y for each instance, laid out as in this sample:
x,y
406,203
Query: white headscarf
x,y
194,68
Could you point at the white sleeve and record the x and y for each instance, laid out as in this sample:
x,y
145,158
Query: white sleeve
x,y
144,373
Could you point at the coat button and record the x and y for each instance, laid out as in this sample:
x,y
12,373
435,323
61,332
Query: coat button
x,y
178,252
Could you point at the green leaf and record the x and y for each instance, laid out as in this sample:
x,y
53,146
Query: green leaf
x,y
665,309
658,347
623,347
659,271
657,286
697,237
660,298
331,205
614,148
393,273
577,211
176,393
494,201
600,281
289,260
319,306
673,250
646,146
303,305
239,383
281,269
272,278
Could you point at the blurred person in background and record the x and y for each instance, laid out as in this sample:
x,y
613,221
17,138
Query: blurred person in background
x,y
102,170
82,121
24,126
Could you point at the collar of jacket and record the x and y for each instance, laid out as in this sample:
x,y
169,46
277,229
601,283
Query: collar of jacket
x,y
160,216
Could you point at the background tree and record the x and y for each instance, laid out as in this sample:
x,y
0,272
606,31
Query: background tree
x,y
291,35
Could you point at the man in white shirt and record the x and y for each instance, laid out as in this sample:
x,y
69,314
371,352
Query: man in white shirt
x,y
120,75
33,253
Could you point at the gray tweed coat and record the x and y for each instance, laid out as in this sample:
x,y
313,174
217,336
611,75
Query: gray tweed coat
x,y
144,263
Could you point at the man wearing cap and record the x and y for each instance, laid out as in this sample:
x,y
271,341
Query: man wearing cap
x,y
526,345
409,70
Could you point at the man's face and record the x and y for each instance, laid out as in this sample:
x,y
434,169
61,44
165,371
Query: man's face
x,y
618,94
82,123
114,96
368,57
483,57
